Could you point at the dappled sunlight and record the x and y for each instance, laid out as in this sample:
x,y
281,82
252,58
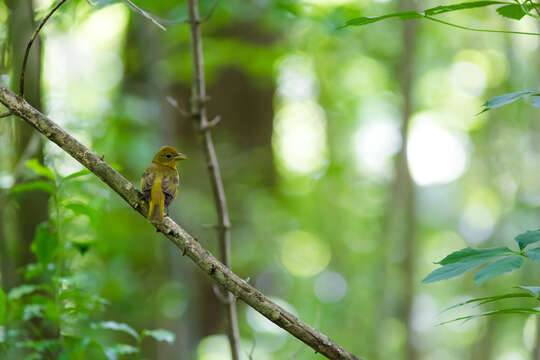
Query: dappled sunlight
x,y
529,332
330,287
296,79
513,355
98,40
327,221
424,313
436,155
468,78
303,254
363,76
216,347
300,137
375,143
479,216
260,323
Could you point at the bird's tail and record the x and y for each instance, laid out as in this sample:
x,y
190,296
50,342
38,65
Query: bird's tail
x,y
155,211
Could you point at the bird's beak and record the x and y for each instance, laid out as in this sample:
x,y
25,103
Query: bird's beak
x,y
180,156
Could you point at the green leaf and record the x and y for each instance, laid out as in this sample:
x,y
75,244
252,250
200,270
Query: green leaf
x,y
33,311
527,238
407,15
512,11
488,299
498,267
112,352
533,254
505,99
40,346
113,325
20,291
496,312
452,270
45,243
470,254
36,185
534,290
461,6
160,335
80,208
3,306
40,169
404,15
77,174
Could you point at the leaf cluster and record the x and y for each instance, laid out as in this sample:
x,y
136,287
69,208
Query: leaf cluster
x,y
497,260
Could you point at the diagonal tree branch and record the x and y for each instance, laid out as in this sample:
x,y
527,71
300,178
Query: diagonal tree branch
x,y
184,241
200,118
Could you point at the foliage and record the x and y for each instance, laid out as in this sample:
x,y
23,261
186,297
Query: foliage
x,y
55,296
500,260
507,10
532,293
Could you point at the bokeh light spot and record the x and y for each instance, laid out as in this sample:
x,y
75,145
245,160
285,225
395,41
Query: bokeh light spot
x,y
375,143
435,155
300,137
469,78
303,254
330,287
261,324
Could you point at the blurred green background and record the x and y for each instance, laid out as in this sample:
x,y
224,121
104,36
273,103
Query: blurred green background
x,y
328,219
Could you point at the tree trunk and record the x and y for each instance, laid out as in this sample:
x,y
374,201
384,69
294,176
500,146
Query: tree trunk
x,y
33,206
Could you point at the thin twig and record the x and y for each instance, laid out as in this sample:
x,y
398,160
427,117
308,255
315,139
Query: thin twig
x,y
219,295
210,13
250,355
185,21
178,236
199,98
34,35
178,108
211,124
479,30
147,15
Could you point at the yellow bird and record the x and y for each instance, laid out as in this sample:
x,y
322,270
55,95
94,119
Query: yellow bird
x,y
159,182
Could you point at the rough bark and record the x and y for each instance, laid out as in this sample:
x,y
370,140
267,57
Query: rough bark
x,y
184,241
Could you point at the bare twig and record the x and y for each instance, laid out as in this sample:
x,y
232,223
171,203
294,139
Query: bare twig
x,y
219,295
210,13
177,106
212,123
147,15
250,355
198,113
218,272
29,46
185,21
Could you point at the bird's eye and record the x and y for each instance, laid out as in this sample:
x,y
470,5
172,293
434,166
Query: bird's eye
x,y
168,156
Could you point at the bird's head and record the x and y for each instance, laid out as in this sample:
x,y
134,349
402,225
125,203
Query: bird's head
x,y
168,156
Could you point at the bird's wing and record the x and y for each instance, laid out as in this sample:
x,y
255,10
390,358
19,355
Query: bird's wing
x,y
169,185
147,179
